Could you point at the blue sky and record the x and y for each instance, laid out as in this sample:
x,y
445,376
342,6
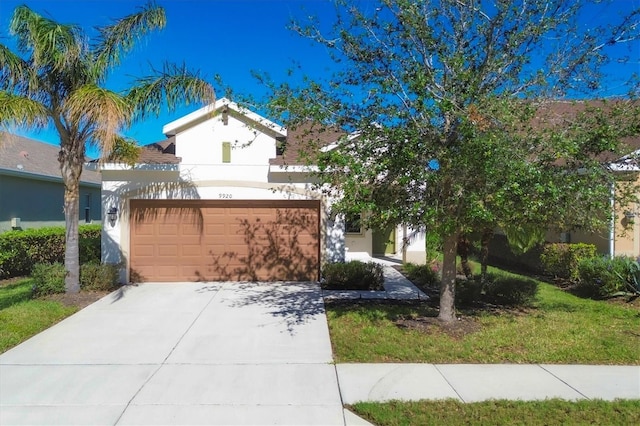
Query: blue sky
x,y
229,38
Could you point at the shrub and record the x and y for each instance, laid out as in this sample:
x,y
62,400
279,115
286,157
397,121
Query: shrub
x,y
97,277
423,275
21,250
510,290
48,278
353,275
468,291
561,260
602,276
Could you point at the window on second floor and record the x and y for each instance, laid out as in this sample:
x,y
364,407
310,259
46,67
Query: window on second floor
x,y
226,152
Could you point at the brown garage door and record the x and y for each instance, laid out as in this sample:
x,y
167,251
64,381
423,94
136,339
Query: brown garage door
x,y
198,240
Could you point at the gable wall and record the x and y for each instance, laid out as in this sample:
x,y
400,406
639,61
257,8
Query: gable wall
x,y
202,143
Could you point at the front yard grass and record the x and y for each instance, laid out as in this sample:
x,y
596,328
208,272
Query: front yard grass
x,y
22,317
454,413
558,328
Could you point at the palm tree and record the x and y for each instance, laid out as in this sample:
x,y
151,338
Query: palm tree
x,y
57,77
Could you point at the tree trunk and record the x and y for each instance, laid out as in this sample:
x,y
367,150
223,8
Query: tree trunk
x,y
448,285
487,234
464,248
71,167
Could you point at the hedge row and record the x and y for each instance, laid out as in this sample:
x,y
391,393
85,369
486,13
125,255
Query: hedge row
x,y
48,278
21,250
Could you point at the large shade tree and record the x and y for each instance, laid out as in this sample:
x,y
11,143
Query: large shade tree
x,y
453,111
57,77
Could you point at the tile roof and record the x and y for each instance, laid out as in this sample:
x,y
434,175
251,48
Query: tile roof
x,y
163,152
304,142
31,157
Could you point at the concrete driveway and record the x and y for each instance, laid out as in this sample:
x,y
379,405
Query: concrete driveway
x,y
187,353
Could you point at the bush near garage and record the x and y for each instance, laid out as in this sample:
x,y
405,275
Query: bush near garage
x,y
423,275
48,278
352,275
20,250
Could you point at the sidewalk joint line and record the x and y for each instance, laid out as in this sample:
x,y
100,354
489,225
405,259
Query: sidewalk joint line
x,y
570,387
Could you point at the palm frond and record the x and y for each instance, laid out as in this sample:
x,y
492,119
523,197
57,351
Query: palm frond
x,y
20,111
172,86
51,45
102,111
119,38
15,73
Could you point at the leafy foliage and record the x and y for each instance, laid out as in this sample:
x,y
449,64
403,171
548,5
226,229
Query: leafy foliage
x,y
458,84
603,277
21,250
561,260
353,275
98,277
511,290
48,278
423,275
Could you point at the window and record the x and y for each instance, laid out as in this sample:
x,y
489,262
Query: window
x,y
352,223
226,152
87,209
281,143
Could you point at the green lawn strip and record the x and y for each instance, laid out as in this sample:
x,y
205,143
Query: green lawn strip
x,y
14,292
22,317
549,412
559,329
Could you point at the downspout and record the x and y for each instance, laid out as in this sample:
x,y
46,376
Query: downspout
x,y
612,226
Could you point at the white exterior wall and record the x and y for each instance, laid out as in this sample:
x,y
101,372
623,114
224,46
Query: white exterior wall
x,y
202,175
202,144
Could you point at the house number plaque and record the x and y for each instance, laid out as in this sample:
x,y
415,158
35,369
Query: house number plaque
x,y
225,196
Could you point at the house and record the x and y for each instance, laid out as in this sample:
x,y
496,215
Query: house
x,y
31,188
622,235
227,196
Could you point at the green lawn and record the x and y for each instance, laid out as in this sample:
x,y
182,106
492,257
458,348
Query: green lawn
x,y
558,329
454,413
22,317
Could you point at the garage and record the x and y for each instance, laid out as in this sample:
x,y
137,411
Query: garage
x,y
224,240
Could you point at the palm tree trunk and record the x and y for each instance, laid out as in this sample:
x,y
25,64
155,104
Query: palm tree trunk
x,y
71,167
448,284
72,249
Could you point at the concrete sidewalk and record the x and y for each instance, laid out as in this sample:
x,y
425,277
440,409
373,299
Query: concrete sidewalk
x,y
473,383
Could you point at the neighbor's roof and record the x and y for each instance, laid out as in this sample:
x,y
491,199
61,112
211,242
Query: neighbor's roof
x,y
163,152
26,157
304,142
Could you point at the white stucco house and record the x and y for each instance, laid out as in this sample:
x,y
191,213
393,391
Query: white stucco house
x,y
226,197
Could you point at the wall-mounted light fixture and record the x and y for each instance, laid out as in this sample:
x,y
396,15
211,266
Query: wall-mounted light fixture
x,y
112,215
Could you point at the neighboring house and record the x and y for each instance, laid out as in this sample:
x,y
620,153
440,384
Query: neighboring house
x,y
622,236
226,197
31,188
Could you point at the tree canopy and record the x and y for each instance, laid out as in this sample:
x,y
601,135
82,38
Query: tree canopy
x,y
465,115
57,77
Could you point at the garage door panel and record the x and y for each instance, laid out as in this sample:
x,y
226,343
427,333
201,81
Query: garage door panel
x,y
191,240
168,250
